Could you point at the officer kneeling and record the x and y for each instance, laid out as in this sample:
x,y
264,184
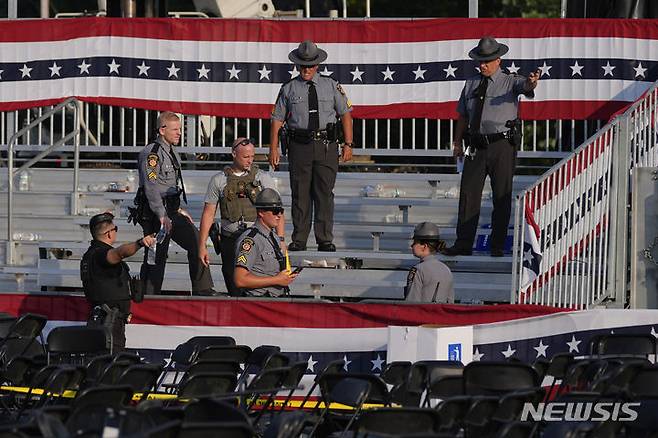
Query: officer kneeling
x,y
106,278
260,266
430,281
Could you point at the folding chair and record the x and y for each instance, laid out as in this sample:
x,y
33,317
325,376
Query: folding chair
x,y
141,378
207,385
333,367
287,425
346,390
21,337
397,421
498,378
76,344
181,358
267,383
213,410
395,373
224,430
635,345
557,369
295,373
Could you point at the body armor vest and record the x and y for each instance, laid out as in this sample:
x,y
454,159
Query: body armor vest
x,y
239,196
99,289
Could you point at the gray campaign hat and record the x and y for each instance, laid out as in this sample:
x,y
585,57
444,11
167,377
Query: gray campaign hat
x,y
307,54
426,231
268,198
488,49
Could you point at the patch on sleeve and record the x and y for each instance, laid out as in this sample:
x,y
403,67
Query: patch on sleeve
x,y
152,176
152,160
247,244
349,103
340,89
411,276
241,260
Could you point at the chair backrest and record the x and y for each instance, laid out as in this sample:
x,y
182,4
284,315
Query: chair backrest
x,y
377,392
287,425
497,378
236,353
208,409
214,366
295,373
28,325
112,372
198,343
140,377
397,421
224,430
559,365
448,386
644,382
71,342
207,385
396,372
626,344
276,360
115,396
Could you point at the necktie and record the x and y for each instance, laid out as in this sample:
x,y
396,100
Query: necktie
x,y
480,93
313,115
179,172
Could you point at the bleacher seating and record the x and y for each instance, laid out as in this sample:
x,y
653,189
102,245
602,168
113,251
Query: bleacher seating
x,y
371,232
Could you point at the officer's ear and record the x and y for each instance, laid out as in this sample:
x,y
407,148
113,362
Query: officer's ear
x,y
233,153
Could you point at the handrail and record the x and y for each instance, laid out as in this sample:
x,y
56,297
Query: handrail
x,y
11,174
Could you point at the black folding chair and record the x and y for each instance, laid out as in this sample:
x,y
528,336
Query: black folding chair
x,y
224,430
397,421
333,367
498,378
213,410
620,344
77,344
207,385
141,378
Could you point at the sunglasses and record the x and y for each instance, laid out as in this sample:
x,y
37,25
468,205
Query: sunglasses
x,y
115,229
244,142
276,210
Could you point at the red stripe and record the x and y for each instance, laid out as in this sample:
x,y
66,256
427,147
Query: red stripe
x,y
254,313
324,31
547,110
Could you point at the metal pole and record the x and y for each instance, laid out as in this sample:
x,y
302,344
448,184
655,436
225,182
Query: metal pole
x,y
473,8
12,9
367,8
563,9
76,159
344,8
9,257
307,8
45,8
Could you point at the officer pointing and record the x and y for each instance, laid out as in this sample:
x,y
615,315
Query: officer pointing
x,y
260,267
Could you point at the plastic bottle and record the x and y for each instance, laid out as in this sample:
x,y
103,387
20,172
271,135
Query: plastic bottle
x,y
150,259
131,181
24,181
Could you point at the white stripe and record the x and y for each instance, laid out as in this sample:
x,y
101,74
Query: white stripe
x,y
339,53
289,339
204,92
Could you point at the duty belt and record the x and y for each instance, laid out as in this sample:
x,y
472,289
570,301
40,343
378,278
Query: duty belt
x,y
306,135
481,140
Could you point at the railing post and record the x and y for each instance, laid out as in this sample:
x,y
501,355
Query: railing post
x,y
618,252
516,248
76,159
9,255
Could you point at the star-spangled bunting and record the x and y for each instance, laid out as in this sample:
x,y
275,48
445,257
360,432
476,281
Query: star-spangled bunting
x,y
419,74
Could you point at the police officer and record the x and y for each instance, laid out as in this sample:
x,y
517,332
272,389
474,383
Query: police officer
x,y
488,115
309,104
106,278
260,267
235,190
430,281
161,187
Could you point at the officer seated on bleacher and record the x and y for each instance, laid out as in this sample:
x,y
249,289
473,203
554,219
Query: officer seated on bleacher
x,y
430,281
106,277
260,266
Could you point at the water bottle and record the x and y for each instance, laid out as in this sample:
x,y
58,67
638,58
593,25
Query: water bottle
x,y
131,181
150,258
24,181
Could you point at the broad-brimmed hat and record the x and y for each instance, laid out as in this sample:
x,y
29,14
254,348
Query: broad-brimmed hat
x,y
488,49
307,54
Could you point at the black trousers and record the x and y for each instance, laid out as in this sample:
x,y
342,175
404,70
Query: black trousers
x,y
117,329
187,236
497,160
227,249
313,169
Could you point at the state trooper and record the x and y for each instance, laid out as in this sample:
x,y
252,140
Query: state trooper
x,y
260,266
430,281
106,278
488,123
235,190
310,105
158,205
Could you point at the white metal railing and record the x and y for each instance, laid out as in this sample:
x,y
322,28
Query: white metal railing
x,y
581,207
107,128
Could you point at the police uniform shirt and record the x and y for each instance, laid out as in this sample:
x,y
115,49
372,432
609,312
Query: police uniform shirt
x,y
255,252
292,102
158,174
216,191
423,279
101,269
500,104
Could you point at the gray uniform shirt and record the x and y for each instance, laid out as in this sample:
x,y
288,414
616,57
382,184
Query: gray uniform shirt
x,y
501,102
256,252
423,279
157,174
216,191
292,102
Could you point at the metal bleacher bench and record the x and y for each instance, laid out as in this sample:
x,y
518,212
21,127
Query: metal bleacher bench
x,y
311,282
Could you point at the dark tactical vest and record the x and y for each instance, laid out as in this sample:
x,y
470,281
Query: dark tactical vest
x,y
239,196
101,289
